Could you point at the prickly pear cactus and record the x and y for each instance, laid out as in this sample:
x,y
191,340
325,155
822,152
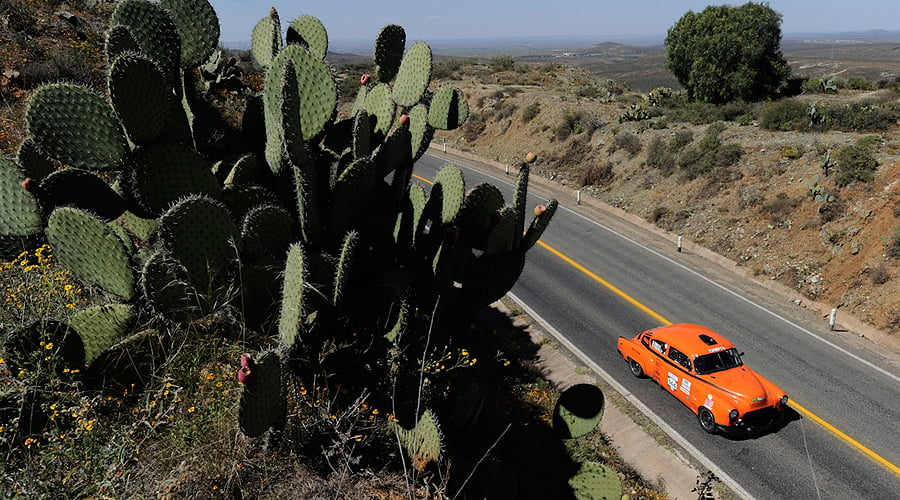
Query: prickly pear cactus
x,y
102,326
578,410
595,481
262,405
422,443
55,118
90,248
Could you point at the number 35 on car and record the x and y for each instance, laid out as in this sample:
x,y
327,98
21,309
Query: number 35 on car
x,y
705,372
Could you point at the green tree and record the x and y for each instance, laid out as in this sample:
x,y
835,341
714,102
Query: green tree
x,y
726,53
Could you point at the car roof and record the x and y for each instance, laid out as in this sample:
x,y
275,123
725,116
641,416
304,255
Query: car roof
x,y
692,339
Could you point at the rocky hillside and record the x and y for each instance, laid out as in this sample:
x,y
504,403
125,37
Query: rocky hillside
x,y
716,175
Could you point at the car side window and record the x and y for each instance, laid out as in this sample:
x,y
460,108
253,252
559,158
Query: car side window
x,y
680,358
658,346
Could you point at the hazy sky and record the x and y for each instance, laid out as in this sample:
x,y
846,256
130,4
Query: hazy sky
x,y
430,20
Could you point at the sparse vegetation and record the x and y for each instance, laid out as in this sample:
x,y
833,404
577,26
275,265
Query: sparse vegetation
x,y
854,163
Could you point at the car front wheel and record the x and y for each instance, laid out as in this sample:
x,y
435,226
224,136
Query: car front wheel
x,y
636,369
707,420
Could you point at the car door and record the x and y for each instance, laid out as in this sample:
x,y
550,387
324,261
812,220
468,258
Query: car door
x,y
679,379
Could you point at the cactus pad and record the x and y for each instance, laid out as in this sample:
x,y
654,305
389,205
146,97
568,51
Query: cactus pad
x,y
388,52
76,126
140,95
578,410
198,26
262,404
265,40
477,214
90,249
595,481
453,191
292,296
199,233
81,189
309,32
448,110
19,213
164,283
423,442
119,41
164,173
421,132
380,106
33,162
102,326
413,75
154,31
315,85
538,225
267,232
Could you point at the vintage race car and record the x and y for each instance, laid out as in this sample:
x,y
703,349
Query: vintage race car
x,y
705,372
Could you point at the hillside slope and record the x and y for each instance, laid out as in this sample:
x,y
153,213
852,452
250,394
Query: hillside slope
x,y
756,212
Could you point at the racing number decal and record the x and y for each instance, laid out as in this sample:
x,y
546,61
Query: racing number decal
x,y
686,386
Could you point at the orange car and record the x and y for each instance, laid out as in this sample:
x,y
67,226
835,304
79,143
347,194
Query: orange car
x,y
705,372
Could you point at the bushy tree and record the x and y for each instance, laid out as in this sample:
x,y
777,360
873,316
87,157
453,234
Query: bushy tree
x,y
726,53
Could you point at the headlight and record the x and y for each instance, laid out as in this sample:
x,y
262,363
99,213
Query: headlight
x,y
733,415
784,401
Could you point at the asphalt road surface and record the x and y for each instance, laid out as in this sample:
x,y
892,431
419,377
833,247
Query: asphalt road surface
x,y
846,444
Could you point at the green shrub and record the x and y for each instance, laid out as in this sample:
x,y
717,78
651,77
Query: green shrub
x,y
854,163
784,115
681,139
779,209
659,156
503,62
531,111
859,83
862,116
893,246
628,141
595,175
708,157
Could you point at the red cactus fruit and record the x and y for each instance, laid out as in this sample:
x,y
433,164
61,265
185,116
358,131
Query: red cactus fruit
x,y
530,157
363,80
243,375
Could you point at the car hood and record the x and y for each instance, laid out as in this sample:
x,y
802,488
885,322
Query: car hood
x,y
740,382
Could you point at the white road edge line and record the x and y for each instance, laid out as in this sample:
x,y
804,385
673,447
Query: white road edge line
x,y
671,432
732,292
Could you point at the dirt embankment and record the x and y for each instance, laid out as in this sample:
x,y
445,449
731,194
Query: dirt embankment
x,y
760,214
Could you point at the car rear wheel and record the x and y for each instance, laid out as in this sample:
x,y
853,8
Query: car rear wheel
x,y
707,420
636,369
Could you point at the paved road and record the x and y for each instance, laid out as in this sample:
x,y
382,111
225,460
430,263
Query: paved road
x,y
854,389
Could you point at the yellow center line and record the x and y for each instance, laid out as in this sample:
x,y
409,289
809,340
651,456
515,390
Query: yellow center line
x,y
834,430
605,283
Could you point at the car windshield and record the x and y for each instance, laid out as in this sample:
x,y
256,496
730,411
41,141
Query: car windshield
x,y
717,361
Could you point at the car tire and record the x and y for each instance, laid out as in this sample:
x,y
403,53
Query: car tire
x,y
636,369
707,420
